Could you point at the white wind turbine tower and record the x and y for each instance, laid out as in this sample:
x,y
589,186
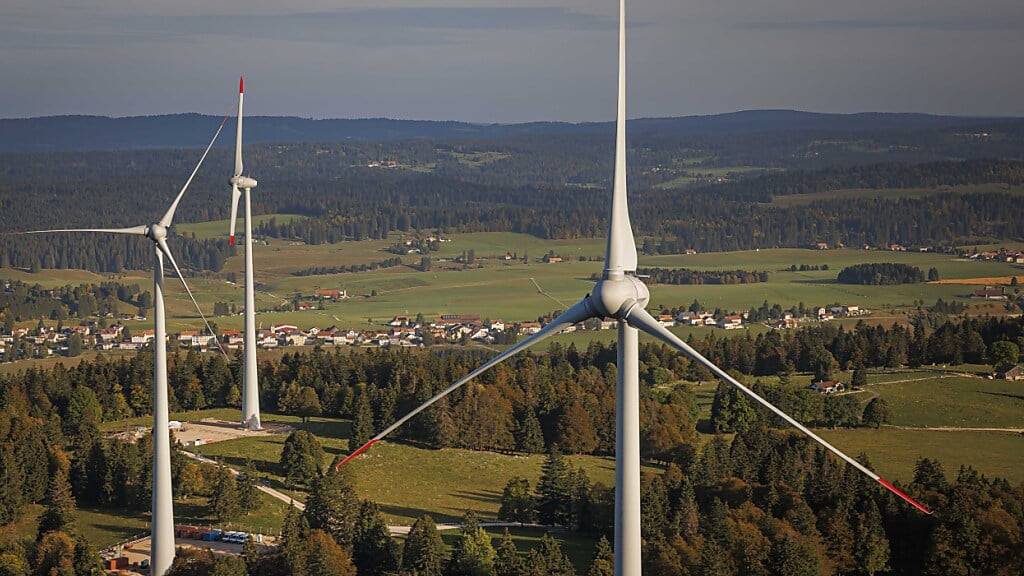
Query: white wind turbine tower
x,y
250,383
162,522
621,296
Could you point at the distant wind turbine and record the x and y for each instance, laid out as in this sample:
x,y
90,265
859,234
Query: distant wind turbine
x,y
250,386
621,296
162,522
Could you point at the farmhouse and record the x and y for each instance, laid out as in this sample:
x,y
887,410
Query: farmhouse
x,y
827,387
989,293
1015,373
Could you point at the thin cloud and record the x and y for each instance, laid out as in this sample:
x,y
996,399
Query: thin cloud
x,y
878,24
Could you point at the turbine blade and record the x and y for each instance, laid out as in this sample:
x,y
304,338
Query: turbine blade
x,y
162,244
578,313
620,255
235,194
169,216
134,230
642,320
238,127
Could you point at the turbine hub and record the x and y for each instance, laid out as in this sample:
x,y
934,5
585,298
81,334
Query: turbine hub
x,y
243,182
617,294
156,232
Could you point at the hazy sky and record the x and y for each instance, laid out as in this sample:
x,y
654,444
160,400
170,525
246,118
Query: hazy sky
x,y
499,60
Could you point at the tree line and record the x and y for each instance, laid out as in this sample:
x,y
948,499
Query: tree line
x,y
880,274
686,276
351,268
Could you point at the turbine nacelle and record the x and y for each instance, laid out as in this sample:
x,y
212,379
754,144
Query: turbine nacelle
x,y
617,294
156,232
242,182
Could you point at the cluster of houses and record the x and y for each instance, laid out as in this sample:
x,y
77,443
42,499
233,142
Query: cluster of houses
x,y
1002,255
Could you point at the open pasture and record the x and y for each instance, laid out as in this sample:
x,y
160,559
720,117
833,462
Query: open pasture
x,y
499,289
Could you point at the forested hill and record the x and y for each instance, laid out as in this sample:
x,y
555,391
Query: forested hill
x,y
55,133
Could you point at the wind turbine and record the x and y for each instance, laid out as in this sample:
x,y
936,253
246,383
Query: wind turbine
x,y
250,384
162,523
621,296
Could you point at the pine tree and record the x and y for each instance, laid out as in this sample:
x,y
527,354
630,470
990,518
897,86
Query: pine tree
x,y
324,557
301,458
507,561
294,535
248,493
517,502
424,552
224,499
549,560
374,552
473,554
60,502
529,437
362,422
333,507
604,560
790,558
871,546
554,491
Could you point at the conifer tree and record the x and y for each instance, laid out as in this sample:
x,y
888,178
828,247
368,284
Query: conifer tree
x,y
473,554
248,493
60,502
554,491
424,553
362,421
529,437
507,561
224,498
870,546
301,458
324,557
374,552
604,560
549,560
333,507
517,502
790,558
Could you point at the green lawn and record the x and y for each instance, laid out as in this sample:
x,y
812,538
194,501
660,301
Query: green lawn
x,y
408,482
894,452
954,402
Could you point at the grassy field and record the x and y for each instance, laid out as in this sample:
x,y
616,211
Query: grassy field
x,y
953,402
893,452
509,289
104,527
405,481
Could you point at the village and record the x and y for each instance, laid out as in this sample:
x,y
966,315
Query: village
x,y
400,331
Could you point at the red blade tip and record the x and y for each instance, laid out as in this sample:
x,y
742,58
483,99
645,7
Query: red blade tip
x,y
353,455
241,84
903,495
231,240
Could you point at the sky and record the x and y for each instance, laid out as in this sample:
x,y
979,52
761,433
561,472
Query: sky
x,y
509,61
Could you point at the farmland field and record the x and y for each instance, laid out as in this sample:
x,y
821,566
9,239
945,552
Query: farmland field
x,y
509,289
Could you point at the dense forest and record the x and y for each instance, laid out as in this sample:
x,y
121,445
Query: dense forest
x,y
548,181
880,274
20,301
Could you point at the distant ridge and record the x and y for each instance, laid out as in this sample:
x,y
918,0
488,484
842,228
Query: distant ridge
x,y
56,133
